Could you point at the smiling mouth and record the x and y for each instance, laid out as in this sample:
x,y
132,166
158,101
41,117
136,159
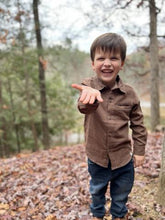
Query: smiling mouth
x,y
107,72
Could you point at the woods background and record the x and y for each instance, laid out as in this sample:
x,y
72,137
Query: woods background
x,y
37,104
44,48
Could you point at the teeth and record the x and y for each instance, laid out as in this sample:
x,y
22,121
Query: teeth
x,y
107,71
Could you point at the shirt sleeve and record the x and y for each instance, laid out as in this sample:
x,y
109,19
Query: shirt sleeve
x,y
87,108
139,132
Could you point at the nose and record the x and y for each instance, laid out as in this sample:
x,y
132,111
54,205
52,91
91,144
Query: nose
x,y
107,62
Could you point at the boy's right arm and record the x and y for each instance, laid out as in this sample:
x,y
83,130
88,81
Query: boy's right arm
x,y
89,98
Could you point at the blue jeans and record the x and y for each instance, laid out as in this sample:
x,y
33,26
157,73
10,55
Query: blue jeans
x,y
121,182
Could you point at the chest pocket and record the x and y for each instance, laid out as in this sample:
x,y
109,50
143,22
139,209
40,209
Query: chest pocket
x,y
120,112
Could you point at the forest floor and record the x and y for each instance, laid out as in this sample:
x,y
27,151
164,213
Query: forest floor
x,y
53,185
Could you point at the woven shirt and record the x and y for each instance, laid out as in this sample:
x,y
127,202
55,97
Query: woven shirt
x,y
114,129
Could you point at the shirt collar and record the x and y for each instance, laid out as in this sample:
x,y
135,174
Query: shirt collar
x,y
118,84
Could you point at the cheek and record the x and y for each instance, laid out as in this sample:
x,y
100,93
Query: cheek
x,y
94,67
118,67
97,66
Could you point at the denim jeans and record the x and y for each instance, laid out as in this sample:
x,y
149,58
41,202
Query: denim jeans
x,y
121,182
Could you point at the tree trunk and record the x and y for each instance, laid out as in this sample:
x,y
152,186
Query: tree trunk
x,y
154,89
45,128
1,131
161,193
32,124
13,117
4,146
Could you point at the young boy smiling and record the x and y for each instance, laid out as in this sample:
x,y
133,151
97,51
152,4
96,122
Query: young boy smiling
x,y
110,108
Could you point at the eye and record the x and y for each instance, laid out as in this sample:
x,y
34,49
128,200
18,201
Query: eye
x,y
100,58
114,58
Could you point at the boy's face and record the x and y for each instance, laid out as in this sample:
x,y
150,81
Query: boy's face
x,y
106,66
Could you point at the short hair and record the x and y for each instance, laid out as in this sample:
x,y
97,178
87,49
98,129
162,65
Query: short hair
x,y
109,42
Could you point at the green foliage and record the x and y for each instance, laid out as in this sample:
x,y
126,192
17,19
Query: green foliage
x,y
14,111
61,105
19,80
72,64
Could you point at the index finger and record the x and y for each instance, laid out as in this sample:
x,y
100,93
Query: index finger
x,y
78,87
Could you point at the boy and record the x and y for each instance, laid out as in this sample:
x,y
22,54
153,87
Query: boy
x,y
110,108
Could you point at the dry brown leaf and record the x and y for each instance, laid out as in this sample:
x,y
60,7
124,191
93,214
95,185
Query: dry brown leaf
x,y
4,206
21,209
54,185
51,217
2,211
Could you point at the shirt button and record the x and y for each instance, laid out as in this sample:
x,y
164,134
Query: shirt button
x,y
110,99
109,134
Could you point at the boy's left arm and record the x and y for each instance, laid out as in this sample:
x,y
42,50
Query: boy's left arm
x,y
139,134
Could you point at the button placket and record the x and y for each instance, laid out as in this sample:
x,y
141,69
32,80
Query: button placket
x,y
110,102
110,99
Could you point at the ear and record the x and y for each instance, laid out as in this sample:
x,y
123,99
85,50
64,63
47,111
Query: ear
x,y
122,64
93,66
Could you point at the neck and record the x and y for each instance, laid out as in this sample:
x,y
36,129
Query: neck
x,y
110,85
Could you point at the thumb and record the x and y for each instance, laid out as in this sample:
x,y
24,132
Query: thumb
x,y
99,98
78,87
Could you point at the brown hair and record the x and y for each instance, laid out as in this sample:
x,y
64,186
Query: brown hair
x,y
109,42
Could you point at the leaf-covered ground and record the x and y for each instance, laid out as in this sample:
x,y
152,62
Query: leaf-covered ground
x,y
53,185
